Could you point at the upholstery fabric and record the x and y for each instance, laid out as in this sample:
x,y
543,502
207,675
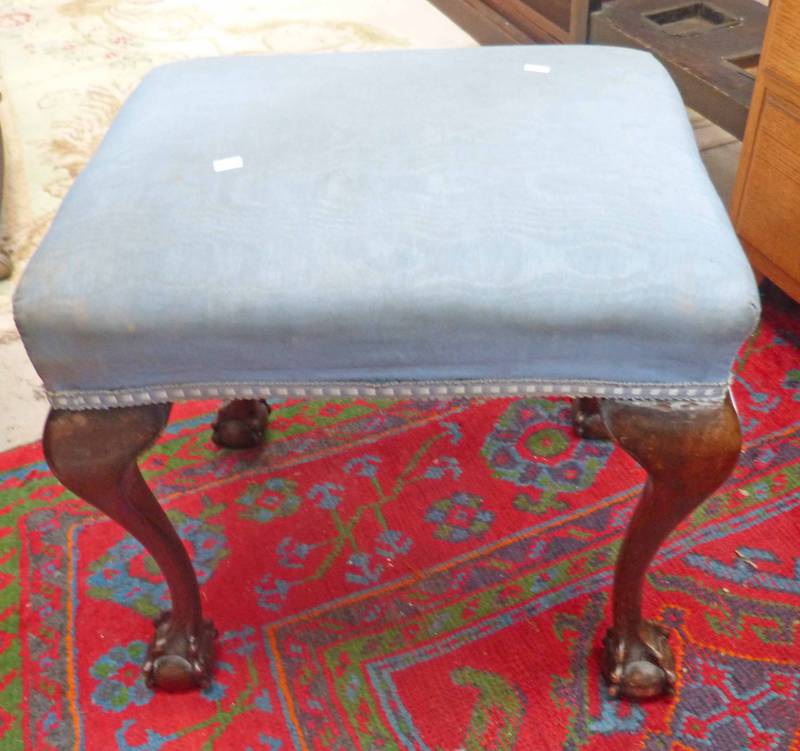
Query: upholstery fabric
x,y
523,219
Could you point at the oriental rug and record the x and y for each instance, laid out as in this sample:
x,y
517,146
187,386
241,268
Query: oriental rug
x,y
412,575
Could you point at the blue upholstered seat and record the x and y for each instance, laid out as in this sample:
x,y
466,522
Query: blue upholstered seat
x,y
487,221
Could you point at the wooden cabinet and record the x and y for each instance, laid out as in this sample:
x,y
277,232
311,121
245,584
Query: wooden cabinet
x,y
766,201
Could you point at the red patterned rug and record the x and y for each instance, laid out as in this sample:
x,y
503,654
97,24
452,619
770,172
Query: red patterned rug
x,y
412,575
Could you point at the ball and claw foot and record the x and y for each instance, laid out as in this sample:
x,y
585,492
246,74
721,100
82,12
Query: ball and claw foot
x,y
640,669
241,424
587,421
177,661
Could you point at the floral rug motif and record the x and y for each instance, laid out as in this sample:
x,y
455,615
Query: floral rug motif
x,y
412,575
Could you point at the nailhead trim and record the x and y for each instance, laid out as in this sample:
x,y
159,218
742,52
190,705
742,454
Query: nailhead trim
x,y
691,392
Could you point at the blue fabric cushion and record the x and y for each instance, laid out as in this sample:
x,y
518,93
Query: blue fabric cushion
x,y
489,220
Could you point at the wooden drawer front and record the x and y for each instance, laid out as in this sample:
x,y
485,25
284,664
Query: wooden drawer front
x,y
783,51
769,216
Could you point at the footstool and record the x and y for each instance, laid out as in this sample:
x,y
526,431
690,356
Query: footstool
x,y
462,223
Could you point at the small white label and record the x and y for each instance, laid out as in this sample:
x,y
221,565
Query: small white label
x,y
229,163
533,68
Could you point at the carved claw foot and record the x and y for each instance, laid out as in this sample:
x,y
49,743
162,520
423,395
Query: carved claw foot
x,y
178,660
643,668
587,420
241,424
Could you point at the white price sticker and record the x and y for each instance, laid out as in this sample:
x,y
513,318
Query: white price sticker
x,y
534,68
229,163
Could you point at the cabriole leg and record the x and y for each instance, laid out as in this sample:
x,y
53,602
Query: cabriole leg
x,y
688,451
93,453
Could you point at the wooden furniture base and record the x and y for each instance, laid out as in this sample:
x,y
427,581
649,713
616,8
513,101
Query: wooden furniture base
x,y
687,451
711,54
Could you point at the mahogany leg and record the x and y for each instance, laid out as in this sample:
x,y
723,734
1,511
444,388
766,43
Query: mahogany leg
x,y
688,451
93,453
587,421
241,424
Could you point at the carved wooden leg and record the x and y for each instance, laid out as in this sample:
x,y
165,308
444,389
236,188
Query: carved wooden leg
x,y
587,420
241,424
688,451
94,454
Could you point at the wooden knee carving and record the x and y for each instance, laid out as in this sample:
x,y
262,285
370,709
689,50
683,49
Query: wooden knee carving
x,y
587,420
93,453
